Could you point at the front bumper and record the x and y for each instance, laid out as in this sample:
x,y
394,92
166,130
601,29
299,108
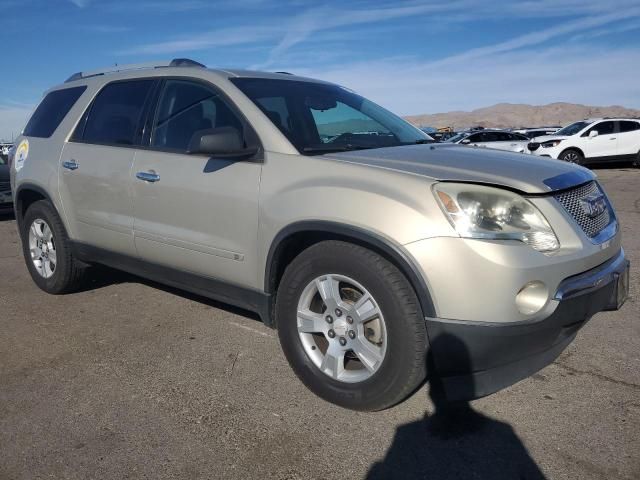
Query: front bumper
x,y
475,359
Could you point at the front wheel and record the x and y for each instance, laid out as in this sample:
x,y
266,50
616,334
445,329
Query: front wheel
x,y
350,325
572,156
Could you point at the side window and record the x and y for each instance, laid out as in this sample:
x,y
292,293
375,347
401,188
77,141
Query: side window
x,y
603,128
183,109
518,137
629,126
51,111
475,138
115,116
491,137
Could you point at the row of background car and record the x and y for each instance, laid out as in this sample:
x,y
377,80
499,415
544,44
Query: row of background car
x,y
514,140
6,204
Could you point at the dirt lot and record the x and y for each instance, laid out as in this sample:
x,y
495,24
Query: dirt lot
x,y
128,379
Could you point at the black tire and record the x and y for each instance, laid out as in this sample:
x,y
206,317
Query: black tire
x,y
636,162
69,272
403,368
572,156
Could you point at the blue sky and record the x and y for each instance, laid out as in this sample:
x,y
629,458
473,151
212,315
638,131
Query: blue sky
x,y
410,56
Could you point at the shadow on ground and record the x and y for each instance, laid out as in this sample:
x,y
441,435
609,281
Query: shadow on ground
x,y
455,442
100,276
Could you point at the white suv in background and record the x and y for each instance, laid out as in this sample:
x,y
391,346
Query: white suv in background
x,y
498,139
592,140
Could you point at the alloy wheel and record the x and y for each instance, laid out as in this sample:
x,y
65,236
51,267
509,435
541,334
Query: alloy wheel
x,y
341,328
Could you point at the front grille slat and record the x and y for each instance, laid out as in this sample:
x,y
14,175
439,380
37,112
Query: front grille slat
x,y
571,200
5,186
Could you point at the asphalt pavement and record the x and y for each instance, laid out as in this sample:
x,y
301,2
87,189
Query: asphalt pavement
x,y
129,379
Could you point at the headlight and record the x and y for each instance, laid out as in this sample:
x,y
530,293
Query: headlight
x,y
552,143
476,211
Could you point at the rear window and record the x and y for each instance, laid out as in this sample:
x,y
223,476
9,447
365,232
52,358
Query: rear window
x,y
628,126
116,113
51,111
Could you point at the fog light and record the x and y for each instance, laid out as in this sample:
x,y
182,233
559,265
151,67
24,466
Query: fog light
x,y
532,297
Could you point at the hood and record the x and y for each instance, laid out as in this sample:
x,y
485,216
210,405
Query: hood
x,y
546,138
525,173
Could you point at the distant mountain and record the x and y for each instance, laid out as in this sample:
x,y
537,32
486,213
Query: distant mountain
x,y
505,115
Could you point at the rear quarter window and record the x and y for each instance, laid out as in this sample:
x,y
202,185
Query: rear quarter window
x,y
51,111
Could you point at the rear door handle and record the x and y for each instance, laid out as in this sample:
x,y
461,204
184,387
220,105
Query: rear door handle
x,y
70,165
150,176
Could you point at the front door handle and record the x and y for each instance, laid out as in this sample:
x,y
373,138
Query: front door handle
x,y
149,176
70,165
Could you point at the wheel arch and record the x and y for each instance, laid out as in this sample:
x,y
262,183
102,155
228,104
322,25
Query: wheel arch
x,y
579,150
26,195
295,238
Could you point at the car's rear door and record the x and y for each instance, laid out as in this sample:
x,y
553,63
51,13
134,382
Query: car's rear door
x,y
628,137
195,213
95,167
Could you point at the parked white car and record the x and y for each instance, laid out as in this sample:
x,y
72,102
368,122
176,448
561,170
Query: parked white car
x,y
537,132
592,140
498,139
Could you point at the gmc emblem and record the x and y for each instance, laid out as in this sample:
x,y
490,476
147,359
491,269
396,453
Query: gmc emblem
x,y
593,205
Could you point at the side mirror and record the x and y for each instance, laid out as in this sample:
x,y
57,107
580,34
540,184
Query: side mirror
x,y
593,133
466,141
225,142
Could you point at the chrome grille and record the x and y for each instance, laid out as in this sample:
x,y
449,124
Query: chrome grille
x,y
572,201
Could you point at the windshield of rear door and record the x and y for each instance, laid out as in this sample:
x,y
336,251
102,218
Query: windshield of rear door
x,y
321,118
572,129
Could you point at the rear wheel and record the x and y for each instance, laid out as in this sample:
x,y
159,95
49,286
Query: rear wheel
x,y
350,325
572,156
47,251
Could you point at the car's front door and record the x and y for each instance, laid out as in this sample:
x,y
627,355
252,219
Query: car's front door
x,y
95,167
193,212
605,144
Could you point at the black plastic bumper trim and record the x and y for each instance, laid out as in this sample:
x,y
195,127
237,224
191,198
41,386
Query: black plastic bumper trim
x,y
472,361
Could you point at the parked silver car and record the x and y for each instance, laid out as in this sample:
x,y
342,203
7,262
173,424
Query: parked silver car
x,y
498,139
6,202
375,256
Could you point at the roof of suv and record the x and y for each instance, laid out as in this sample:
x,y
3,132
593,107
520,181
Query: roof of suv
x,y
118,72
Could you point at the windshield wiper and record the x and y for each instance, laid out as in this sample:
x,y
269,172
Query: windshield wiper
x,y
335,148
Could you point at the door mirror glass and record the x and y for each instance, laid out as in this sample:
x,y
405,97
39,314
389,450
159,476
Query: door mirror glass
x,y
222,142
593,133
466,141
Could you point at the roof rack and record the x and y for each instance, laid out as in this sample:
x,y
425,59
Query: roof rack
x,y
176,62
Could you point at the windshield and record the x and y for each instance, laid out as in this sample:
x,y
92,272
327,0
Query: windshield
x,y
319,118
572,129
457,138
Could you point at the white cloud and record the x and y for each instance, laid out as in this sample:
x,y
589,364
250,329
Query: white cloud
x,y
223,37
13,117
579,74
80,3
541,36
